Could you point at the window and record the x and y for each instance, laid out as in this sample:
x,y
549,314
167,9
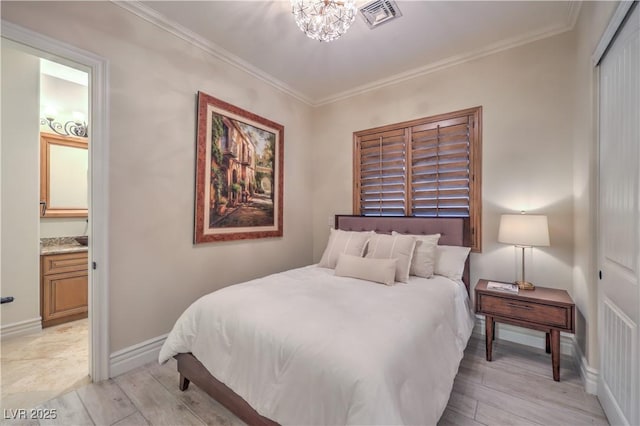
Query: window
x,y
428,167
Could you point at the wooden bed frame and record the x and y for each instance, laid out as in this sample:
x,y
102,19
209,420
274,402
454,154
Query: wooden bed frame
x,y
454,232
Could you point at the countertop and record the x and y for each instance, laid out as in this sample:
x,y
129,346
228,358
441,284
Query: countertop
x,y
60,245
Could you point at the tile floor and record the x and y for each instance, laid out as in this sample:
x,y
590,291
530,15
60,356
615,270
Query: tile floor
x,y
41,366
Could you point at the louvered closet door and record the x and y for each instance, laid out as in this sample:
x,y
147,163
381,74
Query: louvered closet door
x,y
440,168
619,217
382,188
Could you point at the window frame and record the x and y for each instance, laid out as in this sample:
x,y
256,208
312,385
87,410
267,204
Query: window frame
x,y
475,165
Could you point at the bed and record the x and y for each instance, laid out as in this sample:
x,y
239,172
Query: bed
x,y
307,347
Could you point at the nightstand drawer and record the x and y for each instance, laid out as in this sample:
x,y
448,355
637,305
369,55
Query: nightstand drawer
x,y
554,316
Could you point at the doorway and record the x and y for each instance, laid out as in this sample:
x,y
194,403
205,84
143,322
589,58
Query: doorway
x,y
97,228
46,161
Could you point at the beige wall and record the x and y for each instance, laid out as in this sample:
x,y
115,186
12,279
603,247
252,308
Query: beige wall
x,y
526,95
155,271
20,153
593,19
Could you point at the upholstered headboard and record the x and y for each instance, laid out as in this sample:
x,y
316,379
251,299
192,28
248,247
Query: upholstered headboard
x,y
453,231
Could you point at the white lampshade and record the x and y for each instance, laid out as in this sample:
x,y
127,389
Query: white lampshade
x,y
524,230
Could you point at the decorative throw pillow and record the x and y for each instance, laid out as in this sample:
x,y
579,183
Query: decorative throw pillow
x,y
424,255
382,246
376,270
340,241
450,261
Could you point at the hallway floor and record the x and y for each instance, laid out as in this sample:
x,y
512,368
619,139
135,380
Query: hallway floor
x,y
40,366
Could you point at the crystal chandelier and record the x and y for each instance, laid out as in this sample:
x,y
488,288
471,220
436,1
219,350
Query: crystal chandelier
x,y
324,20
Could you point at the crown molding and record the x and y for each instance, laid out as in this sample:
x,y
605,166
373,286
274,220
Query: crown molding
x,y
572,13
448,62
161,21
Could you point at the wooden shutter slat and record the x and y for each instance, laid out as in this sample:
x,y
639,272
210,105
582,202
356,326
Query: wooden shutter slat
x,y
441,202
440,168
440,212
452,123
383,135
445,135
441,192
385,142
434,149
378,171
376,165
444,185
452,158
387,150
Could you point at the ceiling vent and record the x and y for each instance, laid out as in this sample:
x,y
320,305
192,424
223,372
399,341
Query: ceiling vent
x,y
378,12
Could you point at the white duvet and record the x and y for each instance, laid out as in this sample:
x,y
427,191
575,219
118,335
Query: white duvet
x,y
306,347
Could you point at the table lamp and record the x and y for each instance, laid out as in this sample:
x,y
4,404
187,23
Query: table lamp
x,y
524,230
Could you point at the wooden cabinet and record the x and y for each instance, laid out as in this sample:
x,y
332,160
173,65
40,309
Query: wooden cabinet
x,y
545,309
64,287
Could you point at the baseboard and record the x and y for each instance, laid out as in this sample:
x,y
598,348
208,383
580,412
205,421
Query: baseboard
x,y
568,346
588,374
135,356
33,325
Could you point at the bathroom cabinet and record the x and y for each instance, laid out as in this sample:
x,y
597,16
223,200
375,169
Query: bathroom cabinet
x,y
64,287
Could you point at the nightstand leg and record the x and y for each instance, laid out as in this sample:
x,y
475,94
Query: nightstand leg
x,y
555,354
547,343
489,327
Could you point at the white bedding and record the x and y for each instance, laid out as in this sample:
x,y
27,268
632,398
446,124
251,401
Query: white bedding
x,y
306,347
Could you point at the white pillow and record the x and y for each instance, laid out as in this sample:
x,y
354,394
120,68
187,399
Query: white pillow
x,y
376,270
340,241
424,255
382,246
450,261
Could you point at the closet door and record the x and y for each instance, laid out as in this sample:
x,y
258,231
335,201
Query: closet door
x,y
619,223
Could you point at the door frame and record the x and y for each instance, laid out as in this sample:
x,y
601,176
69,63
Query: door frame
x,y
98,182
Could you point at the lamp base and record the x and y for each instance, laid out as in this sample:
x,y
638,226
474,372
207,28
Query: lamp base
x,y
525,285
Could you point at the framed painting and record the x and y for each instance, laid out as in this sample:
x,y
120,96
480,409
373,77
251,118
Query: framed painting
x,y
239,173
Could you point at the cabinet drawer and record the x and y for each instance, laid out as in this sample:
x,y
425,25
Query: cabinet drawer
x,y
554,316
68,262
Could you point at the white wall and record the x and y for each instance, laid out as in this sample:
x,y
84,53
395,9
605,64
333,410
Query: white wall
x,y
155,271
593,19
526,95
20,152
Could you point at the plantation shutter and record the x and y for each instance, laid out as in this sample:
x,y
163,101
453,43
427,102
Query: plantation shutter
x,y
428,167
382,169
440,168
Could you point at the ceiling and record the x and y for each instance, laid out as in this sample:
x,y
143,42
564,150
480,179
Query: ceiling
x,y
262,38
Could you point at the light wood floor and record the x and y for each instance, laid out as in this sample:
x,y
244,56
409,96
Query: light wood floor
x,y
515,389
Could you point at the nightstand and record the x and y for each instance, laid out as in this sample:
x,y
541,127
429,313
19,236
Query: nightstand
x,y
545,309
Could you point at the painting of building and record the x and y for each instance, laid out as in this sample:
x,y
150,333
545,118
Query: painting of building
x,y
241,174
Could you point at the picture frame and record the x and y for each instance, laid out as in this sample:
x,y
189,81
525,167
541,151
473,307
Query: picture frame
x,y
239,174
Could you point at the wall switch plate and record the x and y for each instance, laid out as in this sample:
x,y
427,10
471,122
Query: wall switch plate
x,y
330,220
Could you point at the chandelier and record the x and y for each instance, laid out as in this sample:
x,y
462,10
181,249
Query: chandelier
x,y
324,20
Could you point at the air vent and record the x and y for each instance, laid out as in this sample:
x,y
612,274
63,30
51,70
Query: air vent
x,y
378,12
